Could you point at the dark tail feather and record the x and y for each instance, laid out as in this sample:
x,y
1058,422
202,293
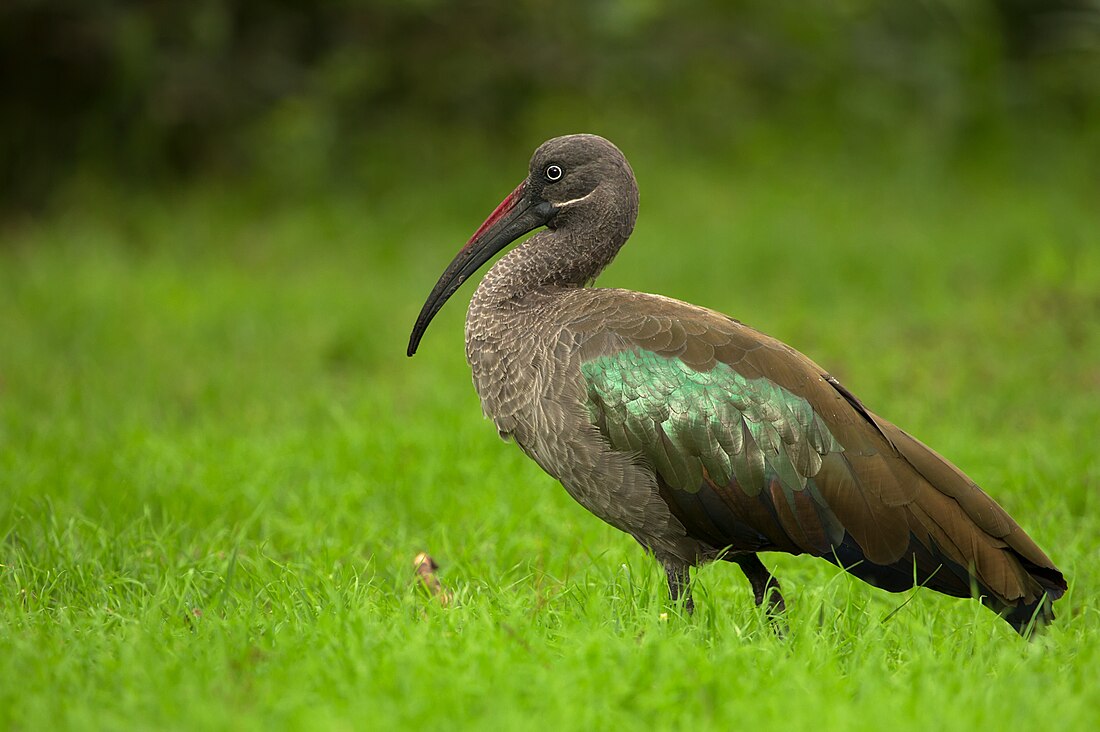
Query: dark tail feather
x,y
1030,617
928,567
1025,619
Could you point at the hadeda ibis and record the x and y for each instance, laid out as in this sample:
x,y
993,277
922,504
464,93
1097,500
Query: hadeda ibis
x,y
700,437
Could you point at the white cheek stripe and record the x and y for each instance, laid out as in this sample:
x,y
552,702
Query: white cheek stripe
x,y
574,200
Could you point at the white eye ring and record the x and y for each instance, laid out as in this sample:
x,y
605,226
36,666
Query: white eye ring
x,y
553,172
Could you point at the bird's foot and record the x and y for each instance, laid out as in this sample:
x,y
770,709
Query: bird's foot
x,y
765,591
679,585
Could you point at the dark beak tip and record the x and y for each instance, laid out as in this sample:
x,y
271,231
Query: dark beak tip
x,y
414,341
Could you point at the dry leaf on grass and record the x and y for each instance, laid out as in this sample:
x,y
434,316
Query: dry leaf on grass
x,y
426,568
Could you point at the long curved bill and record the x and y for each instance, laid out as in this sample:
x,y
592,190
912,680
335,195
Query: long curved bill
x,y
520,212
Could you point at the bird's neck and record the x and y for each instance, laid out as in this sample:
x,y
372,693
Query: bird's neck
x,y
547,261
569,256
513,311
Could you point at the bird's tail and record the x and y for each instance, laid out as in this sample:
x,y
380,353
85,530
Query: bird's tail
x,y
927,566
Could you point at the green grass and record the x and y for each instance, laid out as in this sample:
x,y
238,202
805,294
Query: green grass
x,y
216,464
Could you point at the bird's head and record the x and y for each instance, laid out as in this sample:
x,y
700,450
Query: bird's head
x,y
570,179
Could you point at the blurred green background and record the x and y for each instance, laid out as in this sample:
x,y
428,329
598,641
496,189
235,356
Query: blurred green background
x,y
219,220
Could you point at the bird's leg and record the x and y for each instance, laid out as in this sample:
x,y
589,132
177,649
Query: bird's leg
x,y
679,583
764,585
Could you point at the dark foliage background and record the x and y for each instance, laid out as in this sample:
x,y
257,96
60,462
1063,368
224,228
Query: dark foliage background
x,y
317,92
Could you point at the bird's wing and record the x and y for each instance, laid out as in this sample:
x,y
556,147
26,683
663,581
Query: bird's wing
x,y
757,448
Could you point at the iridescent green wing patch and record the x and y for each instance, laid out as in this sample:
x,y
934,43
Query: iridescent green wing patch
x,y
684,421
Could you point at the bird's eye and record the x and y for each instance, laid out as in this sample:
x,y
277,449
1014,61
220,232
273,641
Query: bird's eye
x,y
553,172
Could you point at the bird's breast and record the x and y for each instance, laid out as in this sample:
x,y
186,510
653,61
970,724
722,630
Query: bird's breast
x,y
505,348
